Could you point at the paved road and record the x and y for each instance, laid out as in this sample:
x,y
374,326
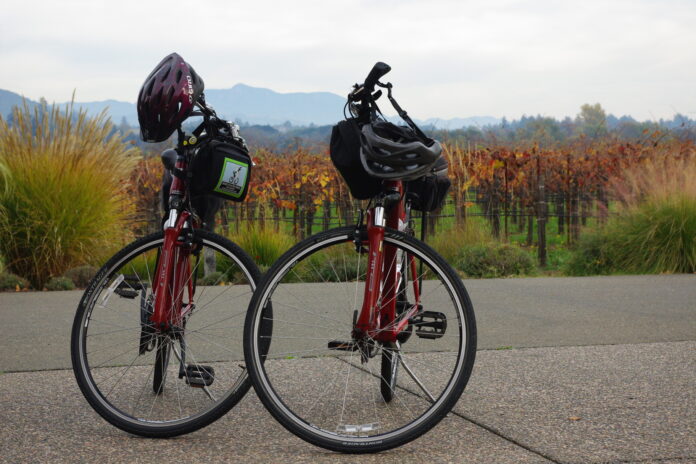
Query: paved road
x,y
602,370
509,312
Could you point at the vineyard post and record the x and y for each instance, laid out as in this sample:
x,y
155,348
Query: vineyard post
x,y
505,200
585,208
225,222
261,217
300,212
576,213
326,219
237,218
276,218
541,214
530,208
568,195
456,201
521,215
251,212
560,212
494,211
309,222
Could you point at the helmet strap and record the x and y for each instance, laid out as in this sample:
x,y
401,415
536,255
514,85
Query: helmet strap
x,y
403,115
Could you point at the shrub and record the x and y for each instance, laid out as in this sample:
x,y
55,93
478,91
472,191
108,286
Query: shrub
x,y
10,281
591,255
450,243
656,236
62,179
263,245
81,275
59,283
494,260
656,229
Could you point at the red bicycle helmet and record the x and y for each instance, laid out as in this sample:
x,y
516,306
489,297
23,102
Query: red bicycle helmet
x,y
167,98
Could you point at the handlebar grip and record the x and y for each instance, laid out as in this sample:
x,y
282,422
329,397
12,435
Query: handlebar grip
x,y
378,70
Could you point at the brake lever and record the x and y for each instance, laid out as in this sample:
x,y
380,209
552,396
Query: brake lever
x,y
355,94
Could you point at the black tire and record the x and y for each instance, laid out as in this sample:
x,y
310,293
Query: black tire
x,y
327,393
161,363
388,370
116,385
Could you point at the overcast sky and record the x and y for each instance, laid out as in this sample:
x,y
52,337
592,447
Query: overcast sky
x,y
448,58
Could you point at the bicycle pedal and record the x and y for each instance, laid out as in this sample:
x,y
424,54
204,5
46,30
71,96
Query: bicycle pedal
x,y
430,324
199,376
342,346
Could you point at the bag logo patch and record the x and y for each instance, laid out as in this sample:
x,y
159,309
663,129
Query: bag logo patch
x,y
233,178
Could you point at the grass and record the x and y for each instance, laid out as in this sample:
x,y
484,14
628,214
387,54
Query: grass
x,y
450,242
62,191
264,245
655,230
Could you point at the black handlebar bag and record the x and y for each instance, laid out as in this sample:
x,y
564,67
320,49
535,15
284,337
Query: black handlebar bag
x,y
223,169
345,155
428,193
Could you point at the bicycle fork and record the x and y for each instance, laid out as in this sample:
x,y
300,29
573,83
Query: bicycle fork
x,y
378,316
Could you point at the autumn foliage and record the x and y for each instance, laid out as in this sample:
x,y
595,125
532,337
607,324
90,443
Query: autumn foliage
x,y
302,192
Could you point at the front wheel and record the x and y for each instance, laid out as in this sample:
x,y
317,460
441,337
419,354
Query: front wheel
x,y
342,394
157,383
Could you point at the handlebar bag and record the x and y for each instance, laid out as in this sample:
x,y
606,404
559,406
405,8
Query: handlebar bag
x,y
427,193
345,155
221,168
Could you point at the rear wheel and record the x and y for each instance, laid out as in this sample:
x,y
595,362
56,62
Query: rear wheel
x,y
344,394
164,383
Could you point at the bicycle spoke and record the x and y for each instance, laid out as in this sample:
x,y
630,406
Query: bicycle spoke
x,y
415,379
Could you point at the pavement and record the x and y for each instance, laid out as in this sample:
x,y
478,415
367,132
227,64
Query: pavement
x,y
570,370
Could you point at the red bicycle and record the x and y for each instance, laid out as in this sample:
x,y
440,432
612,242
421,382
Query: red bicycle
x,y
157,337
374,335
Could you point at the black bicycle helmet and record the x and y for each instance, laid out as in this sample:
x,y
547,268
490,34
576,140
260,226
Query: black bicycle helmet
x,y
388,151
167,98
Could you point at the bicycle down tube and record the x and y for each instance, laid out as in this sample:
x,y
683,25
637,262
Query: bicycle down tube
x,y
378,315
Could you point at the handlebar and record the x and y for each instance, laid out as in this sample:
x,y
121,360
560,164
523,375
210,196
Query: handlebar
x,y
364,92
378,70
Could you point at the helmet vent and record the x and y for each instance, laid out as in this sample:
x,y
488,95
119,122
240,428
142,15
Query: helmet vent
x,y
149,87
178,76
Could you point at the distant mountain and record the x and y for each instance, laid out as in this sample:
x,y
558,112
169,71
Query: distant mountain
x,y
256,106
117,110
8,100
263,106
458,123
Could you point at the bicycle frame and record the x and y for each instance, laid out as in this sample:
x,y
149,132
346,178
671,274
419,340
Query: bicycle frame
x,y
378,315
173,266
173,270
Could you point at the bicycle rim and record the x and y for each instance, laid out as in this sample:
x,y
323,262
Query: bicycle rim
x,y
121,363
332,397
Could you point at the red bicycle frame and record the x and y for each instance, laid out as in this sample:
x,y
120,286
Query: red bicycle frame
x,y
378,315
173,274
